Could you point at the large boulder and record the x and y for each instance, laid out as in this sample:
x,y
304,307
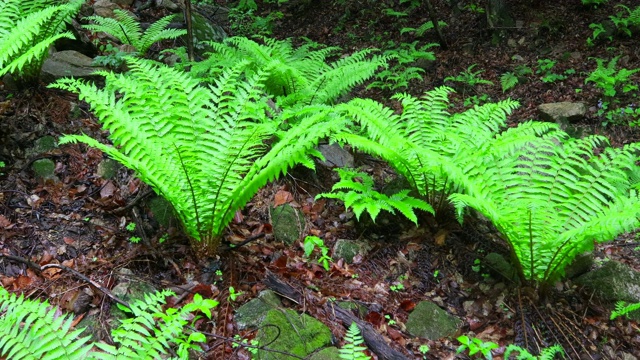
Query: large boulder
x,y
612,282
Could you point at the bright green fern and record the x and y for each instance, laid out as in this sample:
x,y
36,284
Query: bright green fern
x,y
352,349
125,28
32,330
27,29
294,75
622,309
357,192
414,141
548,353
203,148
152,332
552,198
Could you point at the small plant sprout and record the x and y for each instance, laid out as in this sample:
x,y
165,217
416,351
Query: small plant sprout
x,y
390,321
131,226
233,295
310,243
423,349
251,346
476,346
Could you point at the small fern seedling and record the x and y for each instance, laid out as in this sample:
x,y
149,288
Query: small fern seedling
x,y
548,353
356,190
623,309
125,28
353,349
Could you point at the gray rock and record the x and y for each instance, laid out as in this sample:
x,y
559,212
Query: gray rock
x,y
613,281
122,2
348,249
253,312
204,31
104,8
335,156
287,222
108,168
286,330
69,63
167,4
562,112
429,321
580,265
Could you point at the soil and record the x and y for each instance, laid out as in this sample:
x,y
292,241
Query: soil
x,y
79,219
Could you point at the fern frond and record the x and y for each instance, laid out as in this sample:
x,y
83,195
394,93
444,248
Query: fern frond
x,y
553,199
295,76
352,349
26,34
548,353
201,148
357,192
127,30
32,330
424,136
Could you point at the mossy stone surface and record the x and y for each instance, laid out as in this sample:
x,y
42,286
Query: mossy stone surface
x,y
299,334
288,223
330,353
429,321
44,169
253,312
348,249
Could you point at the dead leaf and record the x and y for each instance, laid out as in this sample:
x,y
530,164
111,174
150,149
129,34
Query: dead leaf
x,y
407,305
441,236
52,273
4,222
282,197
107,190
67,240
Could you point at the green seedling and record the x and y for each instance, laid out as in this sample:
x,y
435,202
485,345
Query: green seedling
x,y
476,346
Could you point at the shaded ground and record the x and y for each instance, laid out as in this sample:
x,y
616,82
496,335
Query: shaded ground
x,y
79,219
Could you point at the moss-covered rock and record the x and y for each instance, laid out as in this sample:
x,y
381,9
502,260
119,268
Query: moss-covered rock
x,y
330,353
348,249
44,169
288,331
253,312
287,222
429,321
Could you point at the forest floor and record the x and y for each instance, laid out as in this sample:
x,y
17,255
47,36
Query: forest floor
x,y
80,220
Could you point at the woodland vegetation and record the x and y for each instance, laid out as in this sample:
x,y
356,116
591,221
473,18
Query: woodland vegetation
x,y
220,128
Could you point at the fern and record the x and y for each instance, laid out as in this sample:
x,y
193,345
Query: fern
x,y
294,76
552,198
352,349
546,353
361,196
413,141
152,332
32,330
422,29
201,148
508,80
623,309
27,29
125,28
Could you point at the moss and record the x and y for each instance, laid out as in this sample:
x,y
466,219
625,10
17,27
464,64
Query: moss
x,y
298,334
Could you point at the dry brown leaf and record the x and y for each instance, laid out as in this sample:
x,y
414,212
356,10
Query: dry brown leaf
x,y
282,197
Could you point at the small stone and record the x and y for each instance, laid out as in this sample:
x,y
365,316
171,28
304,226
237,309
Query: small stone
x,y
44,169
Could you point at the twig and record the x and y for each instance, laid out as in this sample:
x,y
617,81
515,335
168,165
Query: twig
x,y
39,269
